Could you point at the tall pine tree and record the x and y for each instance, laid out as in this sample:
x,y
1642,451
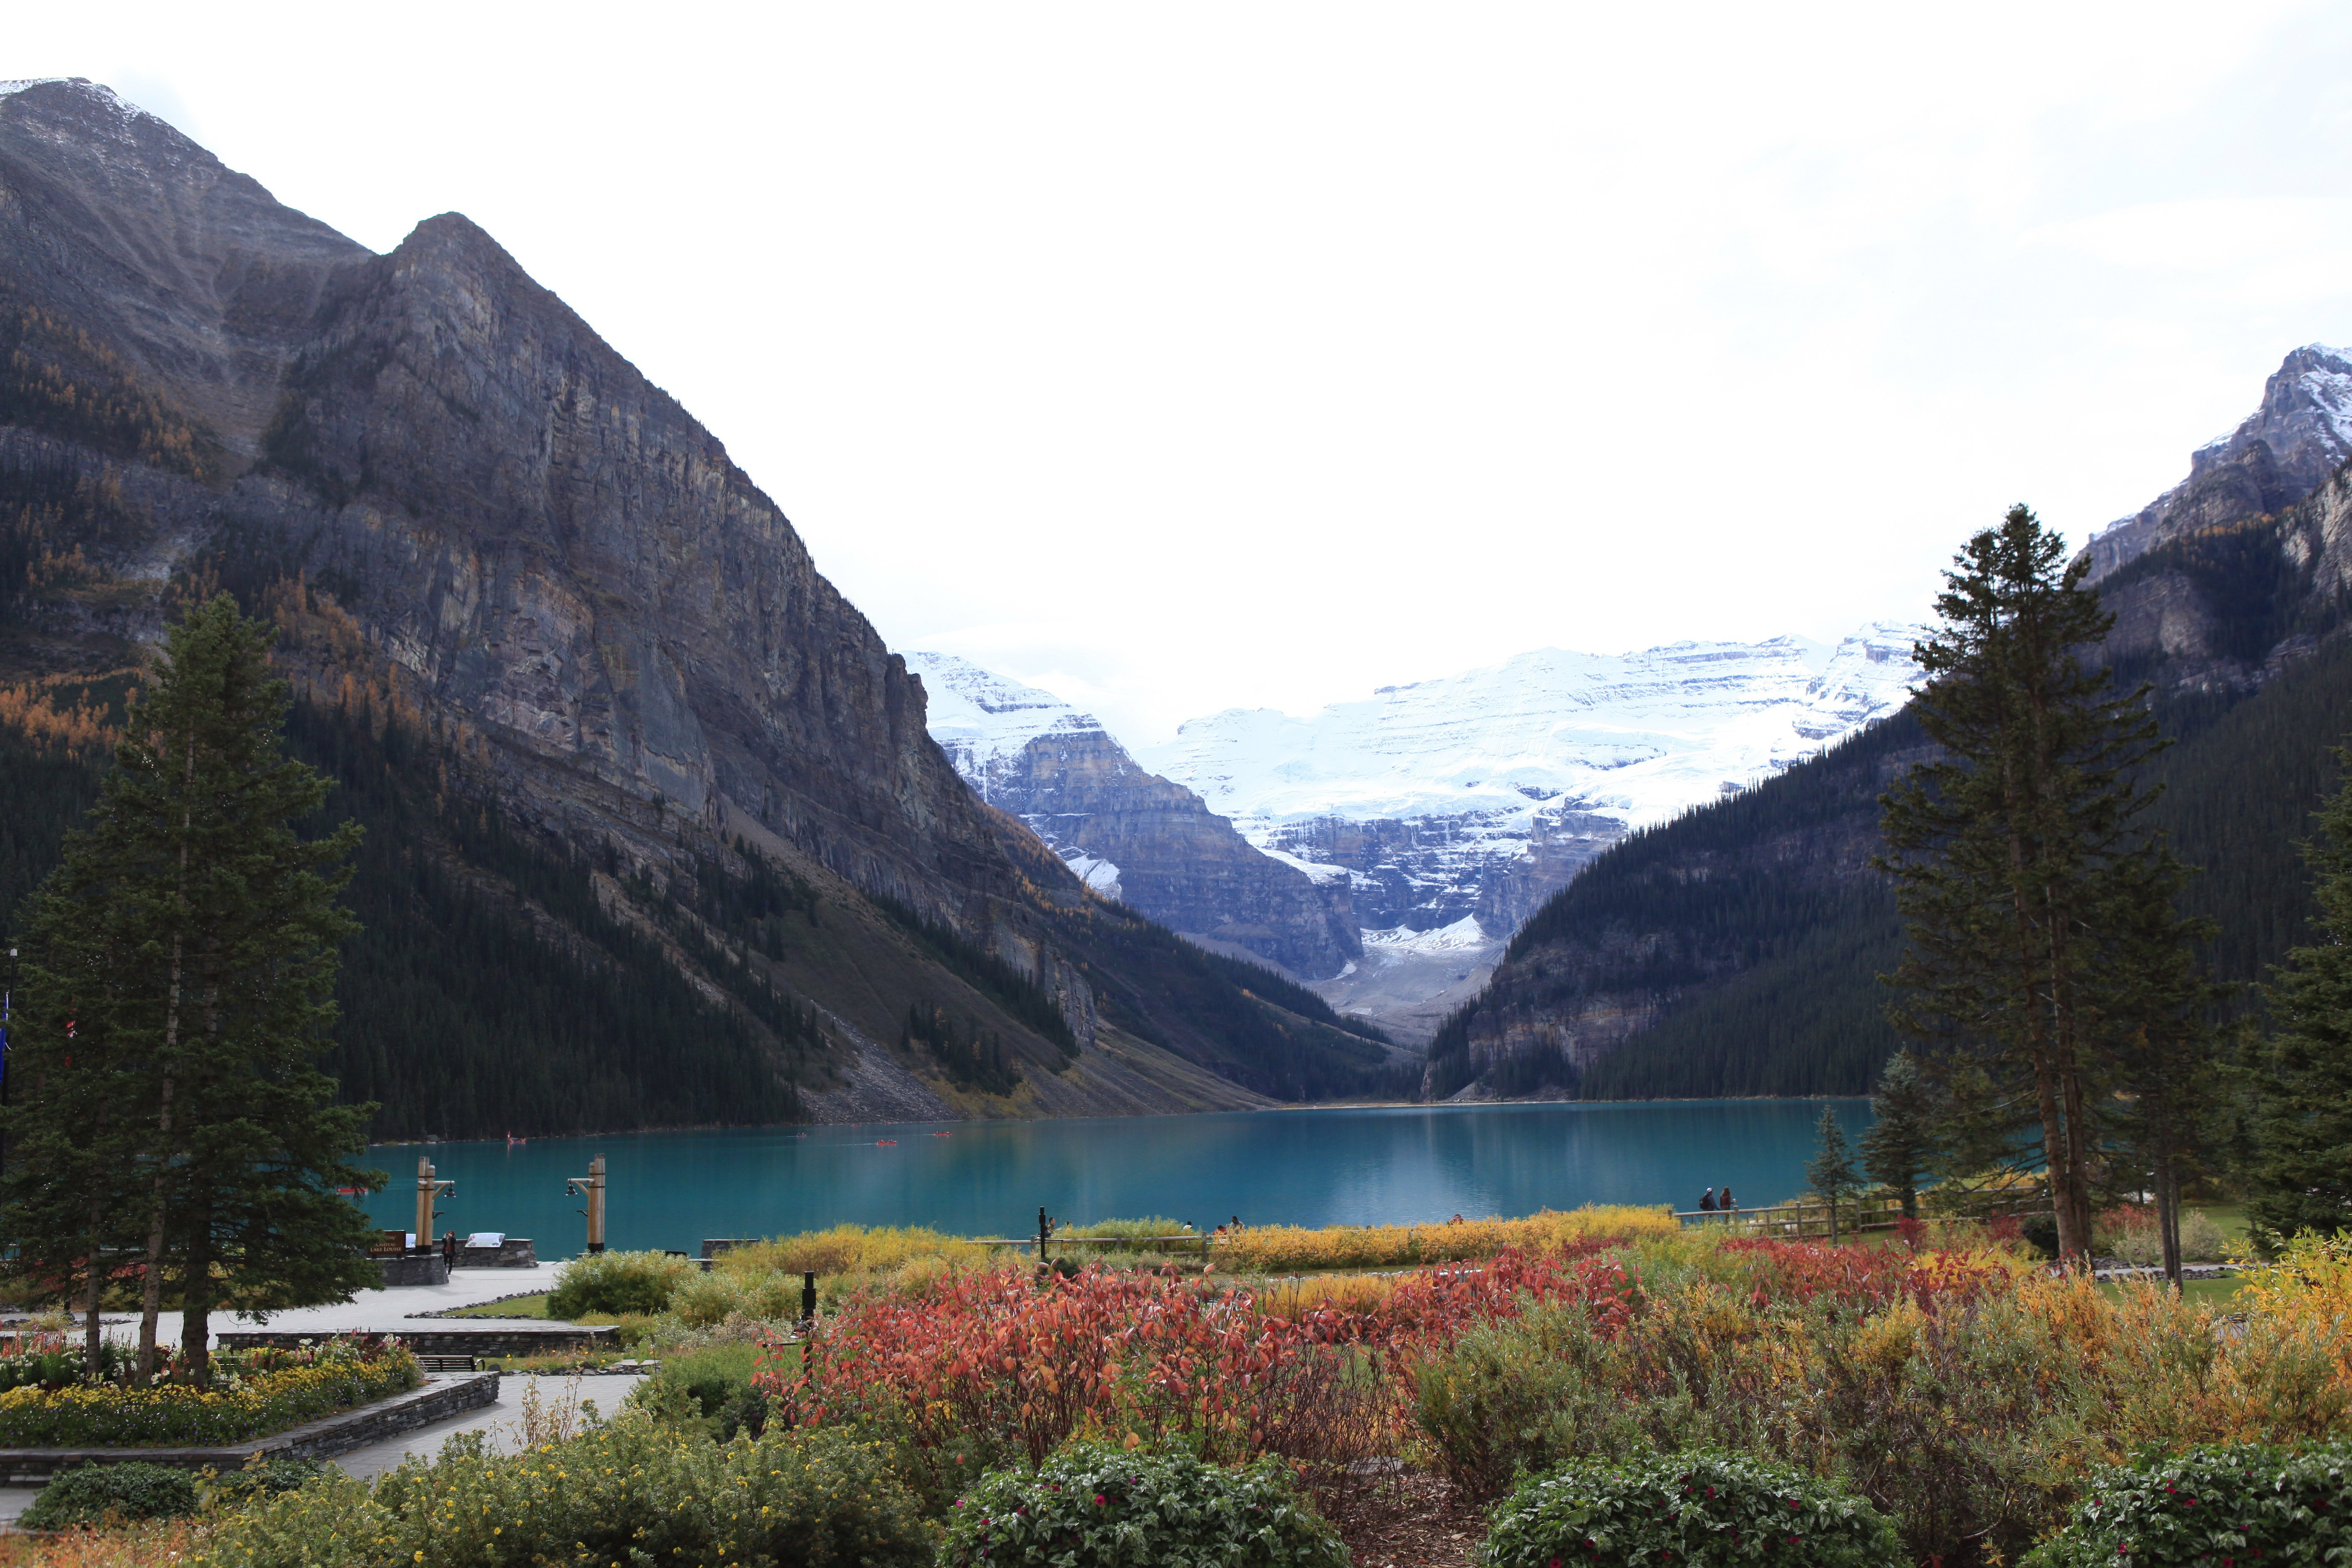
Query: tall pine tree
x,y
182,966
2302,1122
2003,849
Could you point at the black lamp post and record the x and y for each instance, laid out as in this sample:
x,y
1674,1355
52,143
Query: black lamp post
x,y
7,1006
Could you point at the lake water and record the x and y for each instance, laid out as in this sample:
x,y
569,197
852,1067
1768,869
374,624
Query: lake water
x,y
1412,1165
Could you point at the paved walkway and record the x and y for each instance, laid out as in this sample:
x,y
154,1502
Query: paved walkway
x,y
388,1312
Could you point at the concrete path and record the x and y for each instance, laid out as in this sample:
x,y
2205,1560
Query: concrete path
x,y
560,1398
387,1311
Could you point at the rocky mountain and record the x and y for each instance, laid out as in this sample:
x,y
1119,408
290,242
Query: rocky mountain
x,y
626,720
1734,949
1130,835
1451,809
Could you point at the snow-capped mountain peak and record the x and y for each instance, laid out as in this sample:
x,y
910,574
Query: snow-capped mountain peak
x,y
984,720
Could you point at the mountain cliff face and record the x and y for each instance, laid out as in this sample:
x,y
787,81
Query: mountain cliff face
x,y
2279,454
1129,833
478,524
1734,951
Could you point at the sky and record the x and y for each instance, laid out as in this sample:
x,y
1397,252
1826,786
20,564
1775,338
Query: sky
x,y
1177,358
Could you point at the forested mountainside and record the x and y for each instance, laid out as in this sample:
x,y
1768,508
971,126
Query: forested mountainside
x,y
656,832
1736,949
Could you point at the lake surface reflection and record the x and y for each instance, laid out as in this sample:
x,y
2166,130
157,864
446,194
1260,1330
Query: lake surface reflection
x,y
1406,1165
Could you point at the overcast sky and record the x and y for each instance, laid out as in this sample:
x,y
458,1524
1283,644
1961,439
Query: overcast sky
x,y
1184,357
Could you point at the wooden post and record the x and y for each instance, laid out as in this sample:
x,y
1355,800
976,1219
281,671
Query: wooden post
x,y
591,1188
808,1296
427,1191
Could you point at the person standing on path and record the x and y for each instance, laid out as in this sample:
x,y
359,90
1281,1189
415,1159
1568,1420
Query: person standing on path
x,y
1706,1203
1724,1203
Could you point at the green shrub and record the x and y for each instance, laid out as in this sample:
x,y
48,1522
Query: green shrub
x,y
2242,1501
261,1479
1093,1506
1699,1509
1520,1397
617,1283
708,1299
630,1491
97,1494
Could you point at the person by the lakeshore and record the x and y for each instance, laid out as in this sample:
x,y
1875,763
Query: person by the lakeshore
x,y
1706,1203
1724,1203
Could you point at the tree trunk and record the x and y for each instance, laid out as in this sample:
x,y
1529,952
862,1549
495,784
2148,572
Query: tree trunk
x,y
94,1334
2168,1211
2078,1172
2054,1157
195,1314
150,1297
150,1293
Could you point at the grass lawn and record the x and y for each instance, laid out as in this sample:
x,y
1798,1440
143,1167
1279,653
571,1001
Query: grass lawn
x,y
2231,1218
524,1307
2210,1293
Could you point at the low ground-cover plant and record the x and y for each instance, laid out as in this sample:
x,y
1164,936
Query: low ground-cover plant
x,y
629,1491
261,1479
1096,1506
1290,1249
2242,1503
1704,1509
848,1249
1969,1405
319,1381
617,1283
113,1494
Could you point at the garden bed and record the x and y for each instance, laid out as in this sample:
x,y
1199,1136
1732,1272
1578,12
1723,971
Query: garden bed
x,y
324,1438
250,1395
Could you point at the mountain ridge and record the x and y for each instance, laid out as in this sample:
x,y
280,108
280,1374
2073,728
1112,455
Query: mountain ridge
x,y
497,549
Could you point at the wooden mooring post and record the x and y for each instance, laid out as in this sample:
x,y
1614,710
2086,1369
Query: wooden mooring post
x,y
591,1188
429,1191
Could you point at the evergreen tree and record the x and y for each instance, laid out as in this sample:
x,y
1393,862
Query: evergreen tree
x,y
2001,848
1830,1170
2155,1027
1901,1143
2303,1170
190,938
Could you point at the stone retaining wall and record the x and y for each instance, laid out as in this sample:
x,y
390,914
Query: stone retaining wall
x,y
506,1338
438,1400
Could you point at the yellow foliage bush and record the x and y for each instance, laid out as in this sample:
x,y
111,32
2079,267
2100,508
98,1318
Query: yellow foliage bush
x,y
849,1249
1293,1249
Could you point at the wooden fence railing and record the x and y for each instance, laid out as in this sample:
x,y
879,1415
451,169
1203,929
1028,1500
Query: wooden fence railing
x,y
1788,1221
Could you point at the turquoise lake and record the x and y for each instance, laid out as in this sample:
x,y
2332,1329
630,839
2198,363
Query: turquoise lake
x,y
1411,1165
